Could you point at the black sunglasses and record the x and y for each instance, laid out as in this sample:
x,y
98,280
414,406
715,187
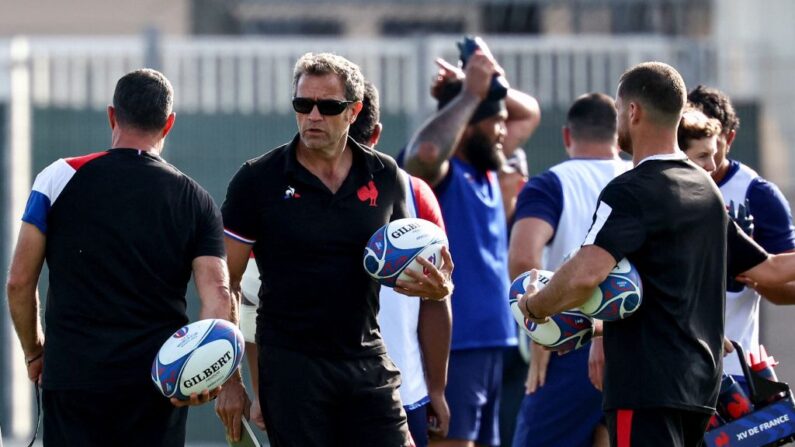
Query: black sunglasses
x,y
324,106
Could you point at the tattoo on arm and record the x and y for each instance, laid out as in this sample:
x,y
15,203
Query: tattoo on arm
x,y
434,143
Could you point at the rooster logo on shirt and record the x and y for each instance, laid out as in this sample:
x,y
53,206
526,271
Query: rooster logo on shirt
x,y
369,193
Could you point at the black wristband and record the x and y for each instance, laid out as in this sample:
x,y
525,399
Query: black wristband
x,y
34,358
529,313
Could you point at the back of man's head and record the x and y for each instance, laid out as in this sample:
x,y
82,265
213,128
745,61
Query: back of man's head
x,y
143,100
366,122
715,104
592,118
659,88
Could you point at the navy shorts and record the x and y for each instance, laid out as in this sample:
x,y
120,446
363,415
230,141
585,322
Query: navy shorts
x,y
310,400
474,384
124,416
566,410
418,424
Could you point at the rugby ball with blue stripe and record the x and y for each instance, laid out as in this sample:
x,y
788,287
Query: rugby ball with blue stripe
x,y
200,356
565,331
395,247
618,296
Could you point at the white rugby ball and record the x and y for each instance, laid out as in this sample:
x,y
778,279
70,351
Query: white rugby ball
x,y
565,331
395,247
200,356
618,296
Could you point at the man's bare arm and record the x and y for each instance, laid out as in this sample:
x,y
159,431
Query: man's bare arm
x,y
572,284
23,295
430,149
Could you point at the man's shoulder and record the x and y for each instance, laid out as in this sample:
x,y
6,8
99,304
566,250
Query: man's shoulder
x,y
270,158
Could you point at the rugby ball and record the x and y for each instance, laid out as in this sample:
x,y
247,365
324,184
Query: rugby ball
x,y
395,247
200,356
618,296
565,331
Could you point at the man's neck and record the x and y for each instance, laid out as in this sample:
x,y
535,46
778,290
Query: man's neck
x,y
136,141
330,166
721,172
653,141
593,151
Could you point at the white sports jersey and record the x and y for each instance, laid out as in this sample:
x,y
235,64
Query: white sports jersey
x,y
398,319
581,180
742,308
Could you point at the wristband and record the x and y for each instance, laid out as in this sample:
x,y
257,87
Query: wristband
x,y
34,358
530,313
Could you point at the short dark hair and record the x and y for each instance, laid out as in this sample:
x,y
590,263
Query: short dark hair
x,y
592,117
695,125
143,99
362,129
715,104
486,109
658,87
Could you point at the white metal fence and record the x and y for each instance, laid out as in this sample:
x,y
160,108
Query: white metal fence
x,y
233,75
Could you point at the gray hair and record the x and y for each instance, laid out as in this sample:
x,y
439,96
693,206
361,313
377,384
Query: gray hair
x,y
319,64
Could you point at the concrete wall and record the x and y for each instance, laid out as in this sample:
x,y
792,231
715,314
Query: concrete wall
x,y
82,17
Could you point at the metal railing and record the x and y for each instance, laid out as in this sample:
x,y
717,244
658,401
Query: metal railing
x,y
234,75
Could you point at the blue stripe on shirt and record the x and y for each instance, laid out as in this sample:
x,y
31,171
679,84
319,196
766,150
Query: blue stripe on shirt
x,y
36,211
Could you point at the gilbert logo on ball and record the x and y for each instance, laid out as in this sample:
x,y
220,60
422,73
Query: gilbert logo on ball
x,y
565,331
395,247
200,356
618,296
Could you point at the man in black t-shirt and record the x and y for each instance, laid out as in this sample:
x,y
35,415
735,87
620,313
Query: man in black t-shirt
x,y
666,216
121,231
307,210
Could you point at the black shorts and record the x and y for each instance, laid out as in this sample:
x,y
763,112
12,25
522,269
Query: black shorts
x,y
124,416
664,427
312,400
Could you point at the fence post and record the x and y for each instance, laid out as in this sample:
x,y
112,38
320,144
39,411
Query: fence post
x,y
17,393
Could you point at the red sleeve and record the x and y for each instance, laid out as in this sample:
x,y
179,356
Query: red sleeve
x,y
427,205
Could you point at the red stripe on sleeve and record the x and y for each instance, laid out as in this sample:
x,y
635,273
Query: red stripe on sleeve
x,y
78,162
427,205
624,427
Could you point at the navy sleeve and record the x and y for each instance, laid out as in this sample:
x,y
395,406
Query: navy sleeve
x,y
541,197
773,228
617,224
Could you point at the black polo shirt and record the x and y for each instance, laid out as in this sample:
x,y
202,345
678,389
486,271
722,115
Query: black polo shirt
x,y
123,228
309,243
667,217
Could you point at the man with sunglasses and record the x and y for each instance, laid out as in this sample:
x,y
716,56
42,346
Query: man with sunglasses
x,y
307,209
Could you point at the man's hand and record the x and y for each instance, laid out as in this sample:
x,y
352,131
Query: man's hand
x,y
479,71
728,347
231,406
447,73
530,292
35,364
436,284
438,416
537,372
196,399
256,414
596,363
